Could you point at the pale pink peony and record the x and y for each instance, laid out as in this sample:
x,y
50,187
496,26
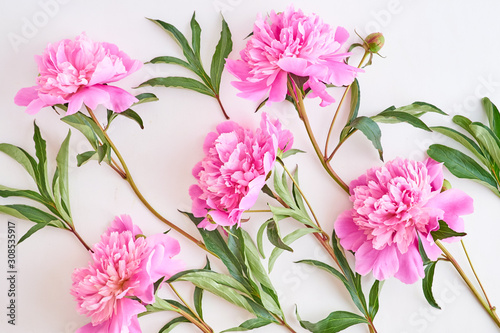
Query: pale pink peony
x,y
234,170
77,72
392,205
292,42
124,264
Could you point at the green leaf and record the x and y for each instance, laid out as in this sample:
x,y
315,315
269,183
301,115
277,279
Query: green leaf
x,y
463,122
84,157
427,284
41,154
373,303
21,157
371,130
445,231
168,327
260,235
6,192
487,140
421,250
493,115
222,50
171,60
102,152
145,98
131,114
196,36
461,165
463,140
291,152
281,187
180,82
280,213
355,101
288,239
297,197
392,117
32,230
324,267
335,322
198,295
62,169
179,38
274,236
417,109
250,324
87,127
223,286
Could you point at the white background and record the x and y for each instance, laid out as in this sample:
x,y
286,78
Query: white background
x,y
445,53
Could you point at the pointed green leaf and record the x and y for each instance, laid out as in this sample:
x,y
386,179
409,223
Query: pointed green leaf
x,y
21,157
324,267
145,98
493,116
198,295
179,38
180,82
463,140
417,109
41,153
297,197
32,230
427,284
31,214
250,324
355,101
260,234
371,130
168,327
171,60
87,127
62,168
463,122
6,192
196,35
487,140
392,117
84,157
281,187
222,50
373,303
288,239
131,114
274,236
445,231
291,152
461,165
335,322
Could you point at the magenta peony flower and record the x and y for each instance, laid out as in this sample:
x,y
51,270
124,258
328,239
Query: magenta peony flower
x,y
234,170
392,205
77,72
124,264
291,42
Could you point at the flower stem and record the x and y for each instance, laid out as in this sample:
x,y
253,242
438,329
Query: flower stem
x,y
338,108
475,274
209,329
284,323
490,310
80,239
305,198
217,97
130,180
299,102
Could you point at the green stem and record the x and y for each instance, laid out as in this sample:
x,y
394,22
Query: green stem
x,y
338,108
130,180
475,274
299,102
490,310
186,304
284,323
303,196
258,211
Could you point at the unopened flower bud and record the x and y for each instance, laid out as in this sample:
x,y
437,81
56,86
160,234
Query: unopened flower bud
x,y
374,42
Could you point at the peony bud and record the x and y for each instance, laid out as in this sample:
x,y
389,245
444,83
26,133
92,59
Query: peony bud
x,y
374,42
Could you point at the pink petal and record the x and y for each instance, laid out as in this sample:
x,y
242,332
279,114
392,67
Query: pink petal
x,y
431,249
295,66
410,265
384,263
455,203
351,237
278,88
124,223
25,96
341,35
435,172
35,106
119,99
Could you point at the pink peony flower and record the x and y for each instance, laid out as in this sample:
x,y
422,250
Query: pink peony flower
x,y
291,42
234,170
392,205
124,265
77,72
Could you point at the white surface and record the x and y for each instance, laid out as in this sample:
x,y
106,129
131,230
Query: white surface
x,y
445,53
